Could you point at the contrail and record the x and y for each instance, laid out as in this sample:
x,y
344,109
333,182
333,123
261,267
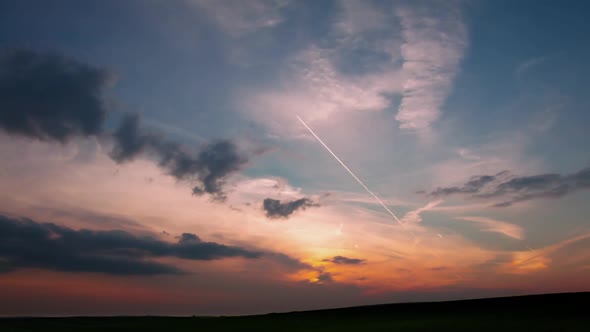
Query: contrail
x,y
364,186
351,173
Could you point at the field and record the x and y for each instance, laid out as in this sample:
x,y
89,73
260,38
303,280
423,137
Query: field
x,y
554,312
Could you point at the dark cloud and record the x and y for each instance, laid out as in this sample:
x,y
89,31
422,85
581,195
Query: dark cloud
x,y
208,166
276,209
50,97
345,260
129,140
511,189
188,238
325,277
474,185
26,243
53,98
289,261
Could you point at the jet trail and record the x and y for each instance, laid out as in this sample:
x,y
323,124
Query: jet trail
x,y
351,173
364,186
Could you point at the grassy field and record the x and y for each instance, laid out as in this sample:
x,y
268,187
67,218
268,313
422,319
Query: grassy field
x,y
555,312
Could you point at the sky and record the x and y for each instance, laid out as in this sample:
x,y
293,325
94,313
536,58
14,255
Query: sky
x,y
200,157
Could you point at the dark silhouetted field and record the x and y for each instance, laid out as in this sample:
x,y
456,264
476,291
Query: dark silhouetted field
x,y
555,312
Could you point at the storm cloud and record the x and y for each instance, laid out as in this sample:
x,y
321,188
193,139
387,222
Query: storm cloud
x,y
25,243
208,166
513,189
276,209
50,97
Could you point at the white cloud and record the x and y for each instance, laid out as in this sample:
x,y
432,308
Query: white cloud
x,y
414,215
316,90
530,260
507,153
434,42
246,190
418,64
496,226
360,197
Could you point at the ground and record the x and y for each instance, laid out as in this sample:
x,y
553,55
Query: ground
x,y
554,312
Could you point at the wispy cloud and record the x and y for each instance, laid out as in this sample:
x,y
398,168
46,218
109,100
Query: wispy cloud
x,y
433,47
539,259
418,64
414,215
357,17
362,198
528,64
508,152
316,90
496,226
238,18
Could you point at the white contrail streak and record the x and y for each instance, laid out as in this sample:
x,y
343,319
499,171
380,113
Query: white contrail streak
x,y
364,186
351,173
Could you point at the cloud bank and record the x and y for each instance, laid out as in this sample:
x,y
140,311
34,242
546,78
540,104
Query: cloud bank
x,y
27,243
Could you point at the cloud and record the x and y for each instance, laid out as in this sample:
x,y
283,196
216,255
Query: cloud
x,y
129,140
276,209
187,238
514,189
50,97
538,259
496,226
345,260
324,277
414,215
434,41
27,243
335,196
507,152
317,90
358,17
208,166
238,17
529,64
372,54
289,261
473,186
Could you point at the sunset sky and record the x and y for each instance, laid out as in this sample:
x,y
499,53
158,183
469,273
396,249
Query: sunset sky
x,y
152,160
